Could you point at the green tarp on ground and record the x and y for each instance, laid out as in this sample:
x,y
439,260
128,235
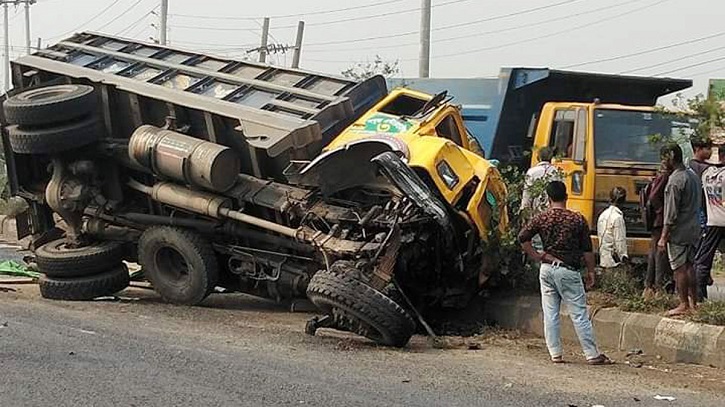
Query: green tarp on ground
x,y
13,268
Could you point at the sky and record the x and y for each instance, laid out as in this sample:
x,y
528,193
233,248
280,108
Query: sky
x,y
470,38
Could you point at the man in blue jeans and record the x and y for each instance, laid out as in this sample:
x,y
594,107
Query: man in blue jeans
x,y
567,247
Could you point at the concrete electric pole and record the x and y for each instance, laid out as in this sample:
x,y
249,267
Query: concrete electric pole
x,y
424,59
265,41
298,45
28,3
6,49
164,17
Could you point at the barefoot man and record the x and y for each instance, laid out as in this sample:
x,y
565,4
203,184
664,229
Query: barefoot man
x,y
681,231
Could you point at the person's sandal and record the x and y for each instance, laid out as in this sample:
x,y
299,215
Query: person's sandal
x,y
600,360
557,359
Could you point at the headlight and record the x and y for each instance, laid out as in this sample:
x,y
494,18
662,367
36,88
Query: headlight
x,y
577,182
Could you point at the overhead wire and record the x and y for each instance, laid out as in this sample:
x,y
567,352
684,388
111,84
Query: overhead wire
x,y
647,51
345,20
672,61
137,22
530,39
496,31
95,16
689,66
443,28
118,16
203,17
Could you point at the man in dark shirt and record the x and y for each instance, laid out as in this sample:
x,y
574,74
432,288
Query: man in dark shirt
x,y
681,230
567,247
659,273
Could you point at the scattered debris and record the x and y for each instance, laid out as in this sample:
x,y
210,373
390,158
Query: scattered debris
x,y
13,268
7,290
633,364
4,325
87,332
636,399
508,385
71,353
664,398
474,346
635,352
406,380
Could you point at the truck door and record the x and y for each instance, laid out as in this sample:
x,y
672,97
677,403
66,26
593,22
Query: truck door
x,y
568,138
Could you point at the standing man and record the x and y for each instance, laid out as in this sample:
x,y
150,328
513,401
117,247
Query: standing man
x,y
659,273
712,182
567,247
534,198
702,150
681,231
612,231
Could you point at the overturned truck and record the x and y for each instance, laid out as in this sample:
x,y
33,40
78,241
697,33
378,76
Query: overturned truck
x,y
220,173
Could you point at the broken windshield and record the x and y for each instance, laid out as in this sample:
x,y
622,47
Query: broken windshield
x,y
626,136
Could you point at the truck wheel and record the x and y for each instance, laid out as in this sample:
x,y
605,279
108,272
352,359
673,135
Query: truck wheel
x,y
359,308
54,259
85,288
50,105
180,264
56,139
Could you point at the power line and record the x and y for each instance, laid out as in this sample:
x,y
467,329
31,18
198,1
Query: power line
x,y
497,31
288,15
137,22
128,10
722,68
671,61
690,66
647,51
100,13
531,39
345,20
408,33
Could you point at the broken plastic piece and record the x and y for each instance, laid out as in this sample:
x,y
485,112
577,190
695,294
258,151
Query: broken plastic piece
x,y
664,398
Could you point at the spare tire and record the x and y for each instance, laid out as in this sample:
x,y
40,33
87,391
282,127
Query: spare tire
x,y
359,308
85,288
180,264
50,105
54,259
57,139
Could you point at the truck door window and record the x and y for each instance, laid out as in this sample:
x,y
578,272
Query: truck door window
x,y
562,133
580,135
448,128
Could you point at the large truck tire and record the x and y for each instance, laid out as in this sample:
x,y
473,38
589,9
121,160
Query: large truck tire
x,y
181,265
56,139
365,310
55,259
50,105
85,288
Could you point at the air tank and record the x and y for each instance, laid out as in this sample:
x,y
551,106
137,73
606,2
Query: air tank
x,y
184,158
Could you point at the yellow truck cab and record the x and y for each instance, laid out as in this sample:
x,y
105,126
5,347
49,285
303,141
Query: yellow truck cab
x,y
430,132
602,146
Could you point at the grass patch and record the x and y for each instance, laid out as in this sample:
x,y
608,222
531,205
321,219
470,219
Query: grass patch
x,y
657,304
710,312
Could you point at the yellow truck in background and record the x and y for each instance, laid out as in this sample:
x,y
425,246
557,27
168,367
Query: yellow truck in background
x,y
599,126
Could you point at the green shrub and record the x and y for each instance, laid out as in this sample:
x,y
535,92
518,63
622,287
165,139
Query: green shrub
x,y
710,312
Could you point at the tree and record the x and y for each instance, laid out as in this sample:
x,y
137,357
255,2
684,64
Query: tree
x,y
365,70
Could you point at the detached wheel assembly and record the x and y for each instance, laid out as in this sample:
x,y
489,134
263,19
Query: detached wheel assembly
x,y
85,288
55,259
50,105
356,307
180,264
56,139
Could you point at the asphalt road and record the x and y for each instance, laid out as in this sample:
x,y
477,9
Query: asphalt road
x,y
238,351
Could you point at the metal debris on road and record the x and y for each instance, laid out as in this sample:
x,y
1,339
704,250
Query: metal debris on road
x,y
635,352
664,398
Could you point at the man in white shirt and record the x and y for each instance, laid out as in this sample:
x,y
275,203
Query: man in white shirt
x,y
533,199
612,231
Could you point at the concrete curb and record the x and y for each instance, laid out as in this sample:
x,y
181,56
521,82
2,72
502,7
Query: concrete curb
x,y
674,340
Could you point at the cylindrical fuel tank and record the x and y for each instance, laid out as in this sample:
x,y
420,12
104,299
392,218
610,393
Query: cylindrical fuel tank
x,y
184,158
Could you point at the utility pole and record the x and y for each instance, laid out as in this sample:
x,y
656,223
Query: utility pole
x,y
265,40
424,60
28,3
298,45
164,17
6,57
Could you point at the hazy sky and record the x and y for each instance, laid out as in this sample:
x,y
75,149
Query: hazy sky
x,y
471,38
